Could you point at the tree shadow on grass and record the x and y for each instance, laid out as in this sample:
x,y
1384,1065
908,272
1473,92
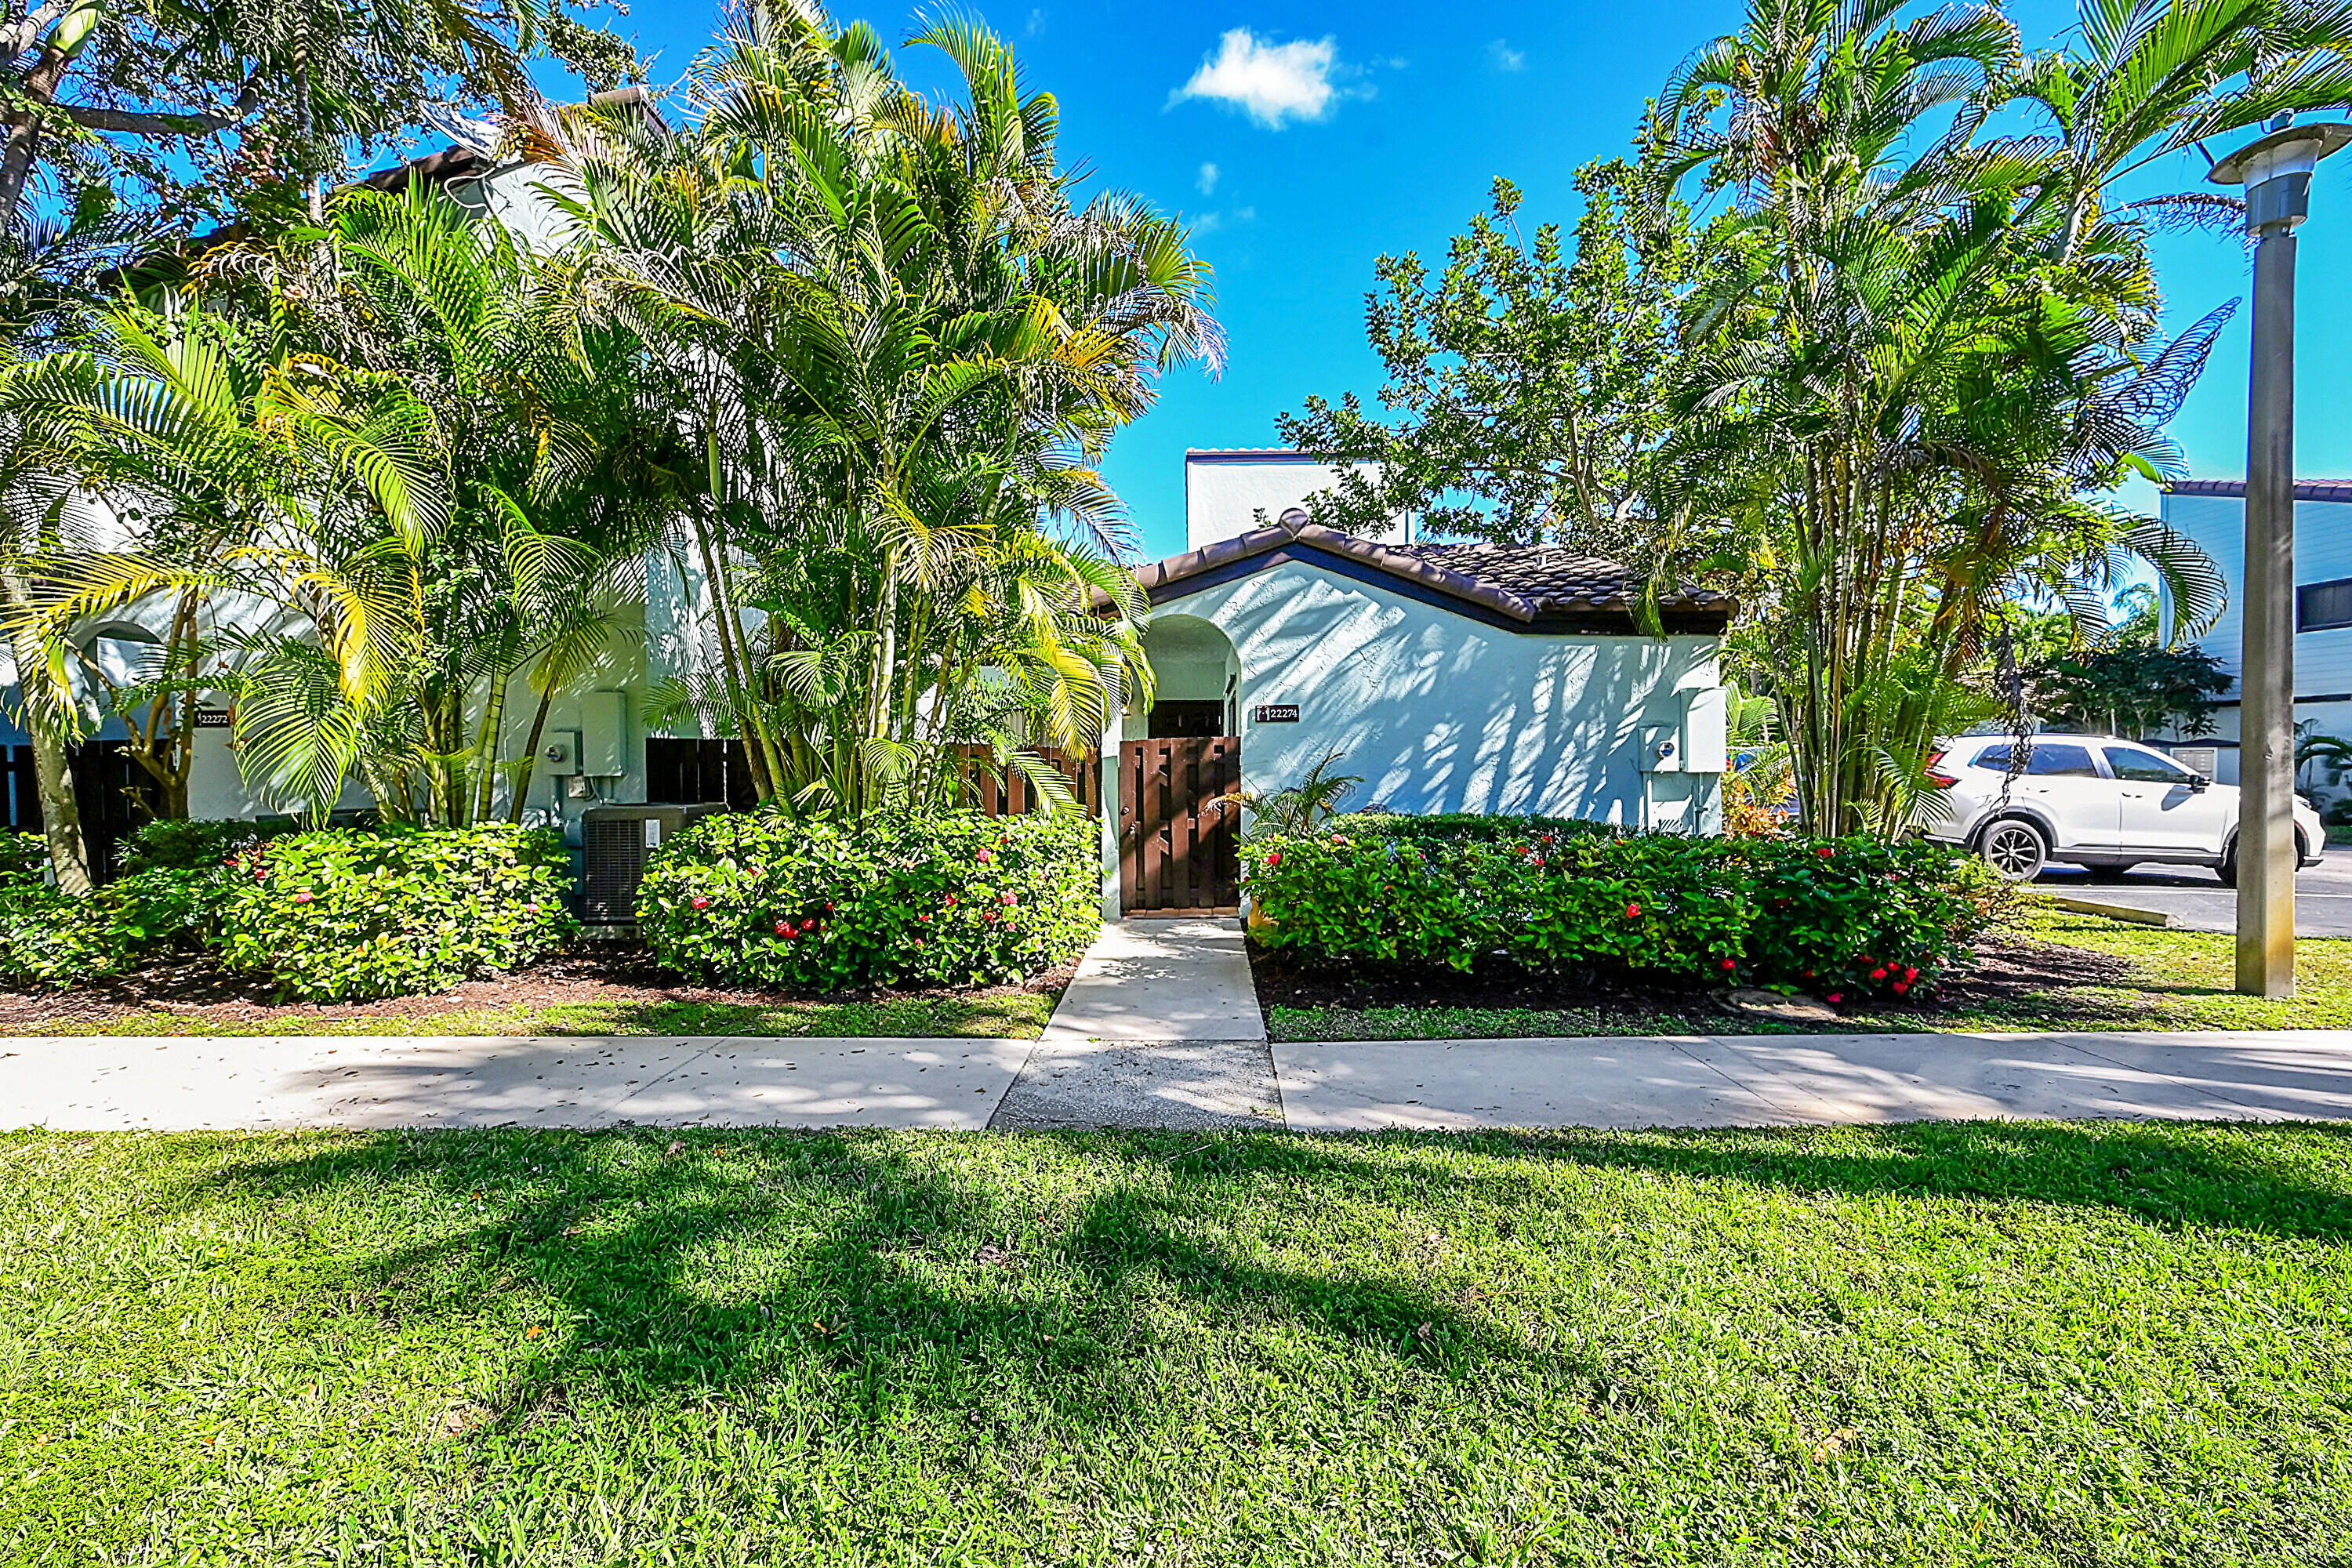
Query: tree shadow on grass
x,y
1000,1280
2283,1180
897,1274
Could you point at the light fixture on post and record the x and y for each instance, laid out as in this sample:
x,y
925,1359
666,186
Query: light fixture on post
x,y
2276,171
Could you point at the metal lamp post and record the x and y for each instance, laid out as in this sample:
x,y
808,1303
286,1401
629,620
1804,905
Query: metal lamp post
x,y
2276,171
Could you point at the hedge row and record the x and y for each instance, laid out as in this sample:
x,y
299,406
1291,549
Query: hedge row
x,y
889,901
333,916
1837,917
346,914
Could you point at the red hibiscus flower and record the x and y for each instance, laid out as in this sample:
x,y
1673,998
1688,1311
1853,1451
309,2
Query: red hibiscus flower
x,y
1729,964
302,898
1878,975
1824,851
784,928
1901,986
1633,911
701,903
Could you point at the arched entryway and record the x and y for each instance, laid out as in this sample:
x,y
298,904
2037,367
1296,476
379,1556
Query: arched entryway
x,y
1179,762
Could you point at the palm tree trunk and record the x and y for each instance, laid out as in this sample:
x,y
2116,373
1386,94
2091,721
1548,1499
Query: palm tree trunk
x,y
52,773
530,762
486,754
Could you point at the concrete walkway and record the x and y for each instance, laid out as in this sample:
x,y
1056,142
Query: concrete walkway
x,y
1161,1028
1729,1080
489,1081
1068,1081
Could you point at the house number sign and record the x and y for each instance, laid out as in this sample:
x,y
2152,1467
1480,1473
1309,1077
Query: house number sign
x,y
1276,713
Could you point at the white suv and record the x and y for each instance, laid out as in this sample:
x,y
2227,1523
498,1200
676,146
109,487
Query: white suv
x,y
2094,801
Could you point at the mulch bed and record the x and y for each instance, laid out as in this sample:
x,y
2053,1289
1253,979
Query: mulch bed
x,y
2008,974
197,988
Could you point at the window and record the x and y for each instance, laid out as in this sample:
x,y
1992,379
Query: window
x,y
2044,761
2147,767
2320,605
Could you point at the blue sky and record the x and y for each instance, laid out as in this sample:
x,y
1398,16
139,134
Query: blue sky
x,y
1315,137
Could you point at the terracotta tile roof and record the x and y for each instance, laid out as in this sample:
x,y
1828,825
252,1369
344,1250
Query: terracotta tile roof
x,y
2304,490
1550,579
1534,587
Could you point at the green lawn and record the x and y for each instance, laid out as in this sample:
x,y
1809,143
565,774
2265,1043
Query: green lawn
x,y
1978,1343
1015,1015
2179,979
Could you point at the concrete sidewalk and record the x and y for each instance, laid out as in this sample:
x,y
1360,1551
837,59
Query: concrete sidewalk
x,y
1161,1028
1729,1080
95,1084
1068,1081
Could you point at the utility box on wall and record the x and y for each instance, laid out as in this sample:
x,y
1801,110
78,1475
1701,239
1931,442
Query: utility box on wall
x,y
1661,748
604,733
1706,730
559,752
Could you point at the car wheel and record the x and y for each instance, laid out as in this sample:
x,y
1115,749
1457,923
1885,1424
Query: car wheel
x,y
2015,848
2227,869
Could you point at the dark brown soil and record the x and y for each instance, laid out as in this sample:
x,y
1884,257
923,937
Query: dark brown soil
x,y
197,988
2008,974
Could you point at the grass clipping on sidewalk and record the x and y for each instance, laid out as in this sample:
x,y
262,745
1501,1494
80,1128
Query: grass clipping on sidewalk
x,y
2009,1343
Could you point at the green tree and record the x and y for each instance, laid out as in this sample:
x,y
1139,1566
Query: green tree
x,y
902,345
1529,382
199,108
2131,688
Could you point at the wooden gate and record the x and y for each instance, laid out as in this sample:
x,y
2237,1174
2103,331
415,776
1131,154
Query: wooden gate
x,y
1178,852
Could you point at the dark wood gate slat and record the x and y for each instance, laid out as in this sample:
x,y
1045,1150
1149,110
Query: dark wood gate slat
x,y
1178,846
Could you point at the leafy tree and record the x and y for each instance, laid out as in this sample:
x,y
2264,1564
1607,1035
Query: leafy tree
x,y
2132,688
1528,379
901,344
196,107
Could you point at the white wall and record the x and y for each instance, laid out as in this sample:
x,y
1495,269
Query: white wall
x,y
1225,491
2323,659
2323,551
1437,712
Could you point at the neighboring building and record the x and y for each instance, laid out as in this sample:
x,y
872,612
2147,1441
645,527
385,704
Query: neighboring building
x,y
2213,513
1228,492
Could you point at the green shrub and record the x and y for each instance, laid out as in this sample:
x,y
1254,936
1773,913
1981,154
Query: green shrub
x,y
47,940
895,900
345,914
192,844
1858,916
1840,916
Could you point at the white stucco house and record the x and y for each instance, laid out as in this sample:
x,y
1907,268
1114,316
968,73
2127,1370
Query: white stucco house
x,y
1472,678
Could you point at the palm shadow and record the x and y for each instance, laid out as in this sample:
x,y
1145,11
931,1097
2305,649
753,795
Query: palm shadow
x,y
715,1259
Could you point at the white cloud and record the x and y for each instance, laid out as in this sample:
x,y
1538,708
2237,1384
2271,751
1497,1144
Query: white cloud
x,y
1207,183
1272,83
1502,57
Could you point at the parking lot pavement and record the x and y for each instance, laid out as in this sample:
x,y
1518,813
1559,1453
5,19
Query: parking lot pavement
x,y
2197,901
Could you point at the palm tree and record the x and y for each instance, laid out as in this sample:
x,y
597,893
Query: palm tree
x,y
1927,366
906,346
238,461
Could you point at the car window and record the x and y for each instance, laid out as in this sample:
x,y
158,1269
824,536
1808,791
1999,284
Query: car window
x,y
2147,767
2044,759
